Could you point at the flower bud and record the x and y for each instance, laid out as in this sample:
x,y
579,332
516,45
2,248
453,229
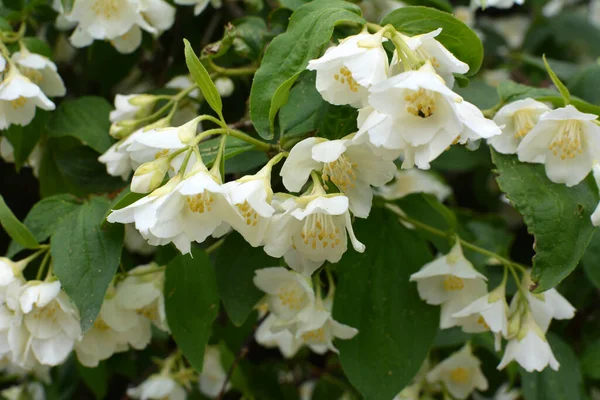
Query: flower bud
x,y
149,175
144,102
9,270
122,129
187,132
514,324
224,86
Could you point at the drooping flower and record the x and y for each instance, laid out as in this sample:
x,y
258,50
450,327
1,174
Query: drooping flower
x,y
50,325
19,97
312,227
460,373
41,71
566,141
414,180
268,335
488,312
213,376
142,291
512,28
429,49
518,119
547,306
529,348
352,167
131,106
346,71
158,387
289,293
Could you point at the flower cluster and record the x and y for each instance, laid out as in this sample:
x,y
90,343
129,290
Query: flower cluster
x,y
40,326
298,316
26,79
453,282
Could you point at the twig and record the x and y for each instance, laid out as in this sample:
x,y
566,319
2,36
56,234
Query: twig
x,y
210,28
240,356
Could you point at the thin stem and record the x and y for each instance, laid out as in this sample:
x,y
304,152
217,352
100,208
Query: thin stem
x,y
464,243
217,162
242,71
42,266
259,144
373,27
185,162
43,248
213,247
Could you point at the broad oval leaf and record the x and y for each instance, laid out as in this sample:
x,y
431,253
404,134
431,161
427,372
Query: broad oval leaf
x,y
15,228
558,216
457,37
309,31
202,79
86,256
235,271
374,295
44,217
191,303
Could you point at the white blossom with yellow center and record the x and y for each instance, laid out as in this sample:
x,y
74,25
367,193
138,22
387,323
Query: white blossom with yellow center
x,y
19,97
460,373
346,71
288,293
408,181
270,335
41,71
352,167
415,112
310,230
487,313
566,141
49,327
429,49
517,119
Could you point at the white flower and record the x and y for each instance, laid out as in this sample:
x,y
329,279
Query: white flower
x,y
346,71
594,13
441,279
554,7
494,77
118,21
429,49
113,331
352,167
530,348
319,330
547,306
417,113
375,10
199,5
414,180
131,106
50,324
10,271
460,373
504,392
566,141
512,28
213,376
288,293
314,227
224,86
250,197
596,214
495,3
488,312
19,98
27,391
41,71
142,291
269,337
158,387
117,160
183,82
517,119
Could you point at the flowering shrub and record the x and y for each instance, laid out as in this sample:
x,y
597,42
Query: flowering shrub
x,y
296,199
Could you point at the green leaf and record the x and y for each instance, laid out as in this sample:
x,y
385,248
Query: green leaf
x,y
564,384
336,122
202,79
44,217
15,228
251,34
442,5
457,37
590,260
233,147
563,69
191,303
301,113
585,83
558,216
557,82
309,31
86,257
86,119
234,268
24,138
590,360
36,45
293,4
479,93
374,295
96,379
69,167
